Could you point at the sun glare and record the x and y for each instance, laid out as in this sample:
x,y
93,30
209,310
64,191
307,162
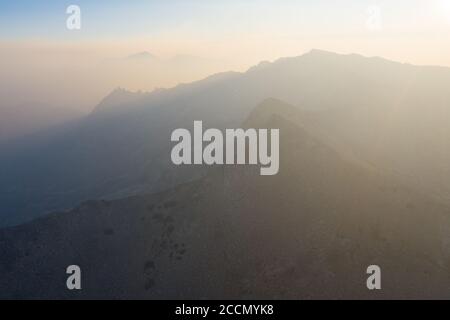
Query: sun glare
x,y
444,7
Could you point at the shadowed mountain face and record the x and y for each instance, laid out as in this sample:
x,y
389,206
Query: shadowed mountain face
x,y
388,114
17,120
308,232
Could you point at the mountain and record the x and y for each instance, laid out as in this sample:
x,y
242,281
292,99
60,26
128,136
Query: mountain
x,y
388,114
117,101
144,55
18,120
309,232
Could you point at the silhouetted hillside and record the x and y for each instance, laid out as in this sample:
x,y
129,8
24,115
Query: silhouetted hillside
x,y
309,232
388,114
24,119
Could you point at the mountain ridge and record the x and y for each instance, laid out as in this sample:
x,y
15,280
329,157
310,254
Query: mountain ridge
x,y
380,112
307,233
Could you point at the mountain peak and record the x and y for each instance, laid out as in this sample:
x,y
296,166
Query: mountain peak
x,y
323,54
144,55
117,100
260,66
320,52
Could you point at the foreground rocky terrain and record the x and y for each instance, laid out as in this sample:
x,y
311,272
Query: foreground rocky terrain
x,y
309,232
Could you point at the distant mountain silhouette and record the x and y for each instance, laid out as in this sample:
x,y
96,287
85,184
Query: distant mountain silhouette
x,y
388,114
309,232
117,101
144,55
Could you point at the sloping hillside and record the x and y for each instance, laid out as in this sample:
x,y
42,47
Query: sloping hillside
x,y
308,232
390,114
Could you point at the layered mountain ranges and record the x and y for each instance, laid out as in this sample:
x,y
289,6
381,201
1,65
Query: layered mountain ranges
x,y
363,180
390,115
308,232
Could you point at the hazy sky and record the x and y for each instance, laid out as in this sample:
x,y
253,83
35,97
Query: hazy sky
x,y
39,56
413,30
